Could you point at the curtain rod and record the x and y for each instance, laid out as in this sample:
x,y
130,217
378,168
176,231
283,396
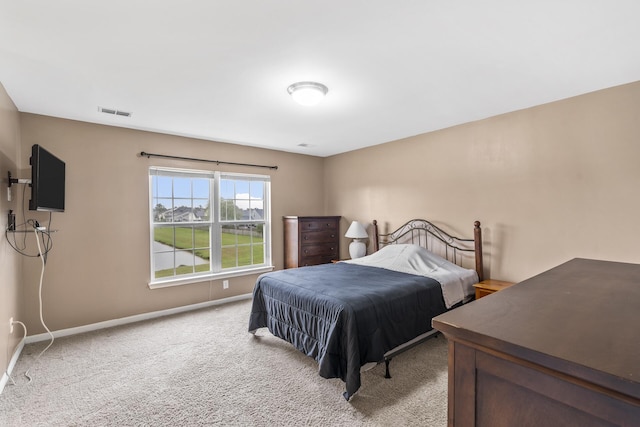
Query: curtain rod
x,y
218,162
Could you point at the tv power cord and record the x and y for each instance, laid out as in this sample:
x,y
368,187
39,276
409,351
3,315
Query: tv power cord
x,y
42,257
45,236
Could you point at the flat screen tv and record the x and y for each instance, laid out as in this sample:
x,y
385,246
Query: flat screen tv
x,y
47,181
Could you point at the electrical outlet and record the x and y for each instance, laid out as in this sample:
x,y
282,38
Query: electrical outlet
x,y
11,325
225,284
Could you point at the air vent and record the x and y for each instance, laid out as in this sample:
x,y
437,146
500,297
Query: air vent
x,y
114,112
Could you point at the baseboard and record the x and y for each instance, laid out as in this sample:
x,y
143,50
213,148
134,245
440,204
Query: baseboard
x,y
12,363
133,319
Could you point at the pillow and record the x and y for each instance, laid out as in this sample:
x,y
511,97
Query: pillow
x,y
405,257
456,282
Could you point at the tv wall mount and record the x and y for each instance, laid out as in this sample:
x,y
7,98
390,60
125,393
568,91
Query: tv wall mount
x,y
16,180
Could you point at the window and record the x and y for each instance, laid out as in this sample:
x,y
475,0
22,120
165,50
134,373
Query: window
x,y
207,224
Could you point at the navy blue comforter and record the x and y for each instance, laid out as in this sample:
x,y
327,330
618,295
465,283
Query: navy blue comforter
x,y
345,315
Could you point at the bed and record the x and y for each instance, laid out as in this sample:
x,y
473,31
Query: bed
x,y
349,314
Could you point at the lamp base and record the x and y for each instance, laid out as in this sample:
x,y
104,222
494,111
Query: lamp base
x,y
357,249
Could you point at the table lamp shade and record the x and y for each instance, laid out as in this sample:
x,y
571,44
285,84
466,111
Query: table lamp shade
x,y
356,231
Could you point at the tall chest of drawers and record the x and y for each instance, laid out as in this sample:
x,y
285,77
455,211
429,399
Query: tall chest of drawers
x,y
310,240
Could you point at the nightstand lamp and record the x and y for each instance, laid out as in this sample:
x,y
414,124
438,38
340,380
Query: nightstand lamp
x,y
357,248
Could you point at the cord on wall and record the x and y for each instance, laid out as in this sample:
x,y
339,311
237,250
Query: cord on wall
x,y
23,229
42,257
41,232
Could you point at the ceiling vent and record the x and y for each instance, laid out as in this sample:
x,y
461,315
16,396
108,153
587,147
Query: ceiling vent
x,y
114,112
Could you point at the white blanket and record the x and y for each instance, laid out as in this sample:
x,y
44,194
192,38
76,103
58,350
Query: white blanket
x,y
456,282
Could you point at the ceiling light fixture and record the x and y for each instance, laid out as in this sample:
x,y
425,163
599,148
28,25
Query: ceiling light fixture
x,y
307,93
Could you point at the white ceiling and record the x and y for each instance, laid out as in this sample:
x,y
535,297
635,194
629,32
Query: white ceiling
x,y
219,70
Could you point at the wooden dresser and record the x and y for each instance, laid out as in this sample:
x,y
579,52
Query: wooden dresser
x,y
310,240
559,349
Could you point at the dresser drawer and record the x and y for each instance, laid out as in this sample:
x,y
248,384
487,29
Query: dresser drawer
x,y
318,236
318,224
315,260
329,250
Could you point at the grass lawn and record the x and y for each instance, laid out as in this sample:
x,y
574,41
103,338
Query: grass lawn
x,y
236,248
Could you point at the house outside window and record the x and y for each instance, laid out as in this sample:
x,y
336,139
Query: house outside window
x,y
207,225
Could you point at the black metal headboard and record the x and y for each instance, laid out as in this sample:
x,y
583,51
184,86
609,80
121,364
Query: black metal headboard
x,y
424,233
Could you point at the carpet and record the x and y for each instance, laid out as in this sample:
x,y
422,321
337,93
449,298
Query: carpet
x,y
203,368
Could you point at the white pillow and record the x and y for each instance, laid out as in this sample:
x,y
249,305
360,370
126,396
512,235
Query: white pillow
x,y
456,282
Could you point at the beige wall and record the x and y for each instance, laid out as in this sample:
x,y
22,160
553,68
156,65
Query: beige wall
x,y
11,296
549,183
99,266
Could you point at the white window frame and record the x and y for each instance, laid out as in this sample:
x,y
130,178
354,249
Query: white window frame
x,y
216,272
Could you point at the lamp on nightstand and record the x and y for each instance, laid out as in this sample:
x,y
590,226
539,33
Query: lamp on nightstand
x,y
356,232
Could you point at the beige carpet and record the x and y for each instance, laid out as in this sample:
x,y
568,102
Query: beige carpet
x,y
204,368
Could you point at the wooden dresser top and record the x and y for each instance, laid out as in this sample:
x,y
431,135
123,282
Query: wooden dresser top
x,y
582,317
